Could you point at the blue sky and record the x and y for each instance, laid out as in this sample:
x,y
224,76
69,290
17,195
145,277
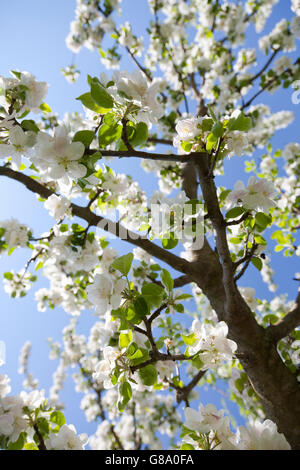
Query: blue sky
x,y
32,36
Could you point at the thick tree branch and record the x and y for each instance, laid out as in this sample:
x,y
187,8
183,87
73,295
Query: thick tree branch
x,y
273,382
115,228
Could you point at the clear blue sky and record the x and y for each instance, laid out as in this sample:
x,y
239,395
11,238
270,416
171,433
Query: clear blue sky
x,y
32,36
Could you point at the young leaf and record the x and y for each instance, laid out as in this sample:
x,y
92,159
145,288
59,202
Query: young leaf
x,y
148,375
125,393
87,101
257,262
29,125
240,123
234,212
109,133
101,96
58,418
123,264
140,135
170,243
262,219
125,339
217,129
189,339
86,137
167,280
153,295
45,108
140,306
19,443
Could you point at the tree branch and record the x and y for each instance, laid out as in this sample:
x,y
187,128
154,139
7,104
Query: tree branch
x,y
260,72
115,228
287,324
41,445
147,155
157,140
182,393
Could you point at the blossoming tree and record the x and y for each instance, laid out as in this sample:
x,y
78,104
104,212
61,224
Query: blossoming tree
x,y
193,102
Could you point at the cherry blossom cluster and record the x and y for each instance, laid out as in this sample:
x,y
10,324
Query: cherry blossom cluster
x,y
209,429
26,422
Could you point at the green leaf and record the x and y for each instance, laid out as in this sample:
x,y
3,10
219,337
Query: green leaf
x,y
155,267
211,141
39,265
125,339
29,125
234,212
167,280
262,219
196,362
178,308
271,319
125,393
86,137
109,133
153,294
9,276
140,306
217,129
278,235
123,264
257,262
87,101
235,240
224,194
259,240
207,124
138,354
240,123
211,112
19,444
115,376
170,243
101,96
186,146
140,135
43,425
279,248
189,339
184,297
30,446
45,108
63,228
16,74
57,417
187,447
148,375
133,347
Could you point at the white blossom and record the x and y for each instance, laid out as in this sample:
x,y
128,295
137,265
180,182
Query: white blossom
x,y
261,436
212,343
66,439
259,194
57,206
